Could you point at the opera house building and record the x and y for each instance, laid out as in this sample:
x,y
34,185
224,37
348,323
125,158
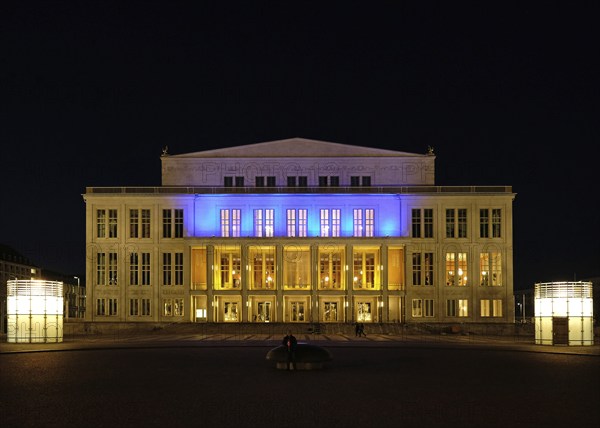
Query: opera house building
x,y
299,231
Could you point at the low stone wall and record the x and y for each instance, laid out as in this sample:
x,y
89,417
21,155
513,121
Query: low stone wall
x,y
75,328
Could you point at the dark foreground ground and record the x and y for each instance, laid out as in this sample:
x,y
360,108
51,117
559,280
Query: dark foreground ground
x,y
230,384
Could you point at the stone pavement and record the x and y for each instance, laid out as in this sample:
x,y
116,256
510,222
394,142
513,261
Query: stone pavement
x,y
165,339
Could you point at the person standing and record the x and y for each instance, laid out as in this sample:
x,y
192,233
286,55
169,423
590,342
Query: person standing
x,y
361,330
290,343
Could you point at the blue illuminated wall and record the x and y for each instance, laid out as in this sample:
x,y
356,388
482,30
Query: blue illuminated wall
x,y
208,210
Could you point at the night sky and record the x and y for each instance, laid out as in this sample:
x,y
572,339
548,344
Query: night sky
x,y
506,94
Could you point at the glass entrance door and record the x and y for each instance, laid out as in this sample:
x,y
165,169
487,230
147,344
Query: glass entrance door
x,y
264,312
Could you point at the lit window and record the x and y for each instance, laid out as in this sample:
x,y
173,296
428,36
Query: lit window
x,y
456,269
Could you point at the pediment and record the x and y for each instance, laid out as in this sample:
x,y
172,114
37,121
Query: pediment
x,y
295,147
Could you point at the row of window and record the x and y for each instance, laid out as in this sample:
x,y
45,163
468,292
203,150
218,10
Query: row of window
x,y
139,269
420,308
139,307
363,220
139,223
456,308
490,223
261,268
296,181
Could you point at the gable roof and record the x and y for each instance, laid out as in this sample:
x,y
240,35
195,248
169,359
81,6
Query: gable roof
x,y
295,147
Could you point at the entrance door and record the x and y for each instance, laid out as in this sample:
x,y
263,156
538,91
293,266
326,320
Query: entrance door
x,y
560,330
264,312
297,309
231,312
330,312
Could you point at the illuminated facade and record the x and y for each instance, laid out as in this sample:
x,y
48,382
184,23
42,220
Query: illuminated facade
x,y
299,231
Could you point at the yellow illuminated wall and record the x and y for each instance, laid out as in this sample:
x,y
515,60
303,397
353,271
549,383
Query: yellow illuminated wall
x,y
564,313
35,311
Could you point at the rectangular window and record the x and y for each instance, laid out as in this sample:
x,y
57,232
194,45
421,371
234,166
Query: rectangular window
x,y
291,223
134,267
239,181
134,307
490,308
271,182
139,273
417,308
112,307
228,181
428,305
231,221
262,267
463,308
291,181
225,223
145,268
369,222
167,224
173,307
484,223
112,268
336,222
101,223
330,268
264,223
365,265
101,307
145,307
112,223
178,232
366,181
259,223
330,222
137,229
416,223
269,222
296,267
302,223
303,181
354,181
167,273
364,222
358,222
323,180
490,269
456,269
451,308
456,223
178,268
259,181
334,181
497,308
101,269
484,308
422,222
324,223
496,223
134,224
172,223
422,269
462,223
428,223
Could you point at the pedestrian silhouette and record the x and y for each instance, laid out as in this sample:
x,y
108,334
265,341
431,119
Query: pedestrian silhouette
x,y
290,343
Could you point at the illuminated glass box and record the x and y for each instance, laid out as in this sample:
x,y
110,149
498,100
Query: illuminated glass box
x,y
564,313
34,311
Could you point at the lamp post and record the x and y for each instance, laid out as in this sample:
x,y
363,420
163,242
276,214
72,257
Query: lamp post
x,y
77,297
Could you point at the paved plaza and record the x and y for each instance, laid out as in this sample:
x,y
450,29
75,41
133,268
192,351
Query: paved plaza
x,y
221,380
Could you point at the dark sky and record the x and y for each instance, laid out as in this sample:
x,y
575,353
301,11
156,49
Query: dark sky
x,y
507,94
